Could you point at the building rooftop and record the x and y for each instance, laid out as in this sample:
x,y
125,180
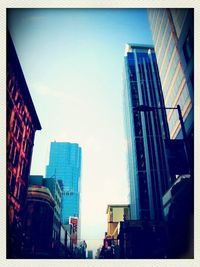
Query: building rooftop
x,y
117,206
130,46
40,193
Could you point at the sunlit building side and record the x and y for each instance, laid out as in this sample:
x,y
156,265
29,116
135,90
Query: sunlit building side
x,y
116,214
22,122
173,37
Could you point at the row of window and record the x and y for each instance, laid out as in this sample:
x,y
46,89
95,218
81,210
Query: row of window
x,y
152,15
57,200
23,114
184,98
17,129
58,189
170,76
175,89
162,49
15,188
57,211
161,29
15,96
11,86
157,22
171,61
13,151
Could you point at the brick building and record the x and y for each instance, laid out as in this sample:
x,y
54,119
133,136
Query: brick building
x,y
22,122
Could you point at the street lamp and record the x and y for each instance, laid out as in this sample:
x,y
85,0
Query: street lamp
x,y
145,108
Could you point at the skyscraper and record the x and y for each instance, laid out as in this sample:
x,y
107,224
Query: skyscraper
x,y
147,160
65,164
173,37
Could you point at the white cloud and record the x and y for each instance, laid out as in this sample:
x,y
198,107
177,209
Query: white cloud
x,y
44,90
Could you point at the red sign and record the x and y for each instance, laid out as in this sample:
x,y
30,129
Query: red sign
x,y
74,222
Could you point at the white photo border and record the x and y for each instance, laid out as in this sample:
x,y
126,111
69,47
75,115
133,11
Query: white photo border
x,y
97,4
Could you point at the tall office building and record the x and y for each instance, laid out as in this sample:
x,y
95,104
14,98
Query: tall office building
x,y
173,35
147,161
65,164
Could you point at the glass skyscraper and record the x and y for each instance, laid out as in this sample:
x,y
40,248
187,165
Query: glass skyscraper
x,y
173,37
65,164
146,131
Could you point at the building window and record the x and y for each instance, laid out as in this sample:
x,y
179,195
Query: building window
x,y
16,97
11,150
19,134
12,88
15,157
14,123
22,168
19,103
12,184
9,175
24,145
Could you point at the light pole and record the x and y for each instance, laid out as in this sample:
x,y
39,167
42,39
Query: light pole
x,y
145,108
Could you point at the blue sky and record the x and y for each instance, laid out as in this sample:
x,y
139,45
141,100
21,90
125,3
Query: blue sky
x,y
72,60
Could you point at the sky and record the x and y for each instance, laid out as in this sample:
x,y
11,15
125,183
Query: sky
x,y
72,60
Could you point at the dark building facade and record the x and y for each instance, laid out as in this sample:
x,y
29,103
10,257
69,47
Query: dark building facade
x,y
143,239
38,223
179,216
22,122
149,174
55,188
